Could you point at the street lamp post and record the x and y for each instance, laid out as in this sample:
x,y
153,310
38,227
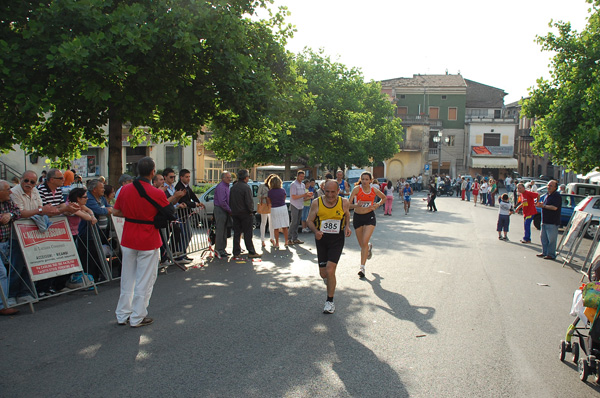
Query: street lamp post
x,y
438,139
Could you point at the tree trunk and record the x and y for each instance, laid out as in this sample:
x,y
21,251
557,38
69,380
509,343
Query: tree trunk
x,y
287,172
115,149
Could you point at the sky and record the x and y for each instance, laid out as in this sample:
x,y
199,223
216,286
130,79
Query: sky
x,y
491,42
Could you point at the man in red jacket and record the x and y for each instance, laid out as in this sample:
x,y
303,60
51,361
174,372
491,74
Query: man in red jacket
x,y
528,199
140,246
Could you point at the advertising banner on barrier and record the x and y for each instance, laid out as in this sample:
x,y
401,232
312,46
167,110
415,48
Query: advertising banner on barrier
x,y
48,254
118,223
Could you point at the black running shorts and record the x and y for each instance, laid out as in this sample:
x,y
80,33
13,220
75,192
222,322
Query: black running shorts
x,y
364,219
329,248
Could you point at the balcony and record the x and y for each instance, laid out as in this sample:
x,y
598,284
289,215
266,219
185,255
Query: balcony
x,y
411,145
476,119
420,120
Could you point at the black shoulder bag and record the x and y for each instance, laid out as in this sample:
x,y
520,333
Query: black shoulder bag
x,y
164,215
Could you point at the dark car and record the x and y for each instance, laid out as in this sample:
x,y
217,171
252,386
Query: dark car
x,y
569,202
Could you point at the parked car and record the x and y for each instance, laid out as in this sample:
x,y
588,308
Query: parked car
x,y
591,205
583,189
207,198
569,203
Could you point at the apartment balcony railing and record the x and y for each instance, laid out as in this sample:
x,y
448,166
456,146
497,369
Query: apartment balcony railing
x,y
475,119
411,145
420,120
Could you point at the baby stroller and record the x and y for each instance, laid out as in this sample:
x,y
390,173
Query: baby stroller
x,y
586,328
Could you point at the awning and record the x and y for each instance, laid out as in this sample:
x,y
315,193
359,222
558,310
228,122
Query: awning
x,y
276,168
490,162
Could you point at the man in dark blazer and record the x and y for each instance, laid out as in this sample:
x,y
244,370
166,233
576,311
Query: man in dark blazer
x,y
188,201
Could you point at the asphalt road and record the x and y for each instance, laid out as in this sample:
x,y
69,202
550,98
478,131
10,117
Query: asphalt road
x,y
446,310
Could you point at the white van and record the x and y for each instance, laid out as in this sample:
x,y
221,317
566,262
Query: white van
x,y
577,188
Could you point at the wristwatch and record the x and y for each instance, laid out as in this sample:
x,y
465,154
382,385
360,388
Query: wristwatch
x,y
40,209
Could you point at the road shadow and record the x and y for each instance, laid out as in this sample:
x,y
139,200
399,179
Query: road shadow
x,y
399,307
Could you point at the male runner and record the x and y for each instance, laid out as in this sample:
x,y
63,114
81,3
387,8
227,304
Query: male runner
x,y
344,187
329,219
406,192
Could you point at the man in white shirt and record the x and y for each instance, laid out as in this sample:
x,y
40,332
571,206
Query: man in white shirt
x,y
508,184
297,196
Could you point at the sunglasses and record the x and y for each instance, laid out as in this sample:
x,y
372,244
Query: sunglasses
x,y
26,181
59,178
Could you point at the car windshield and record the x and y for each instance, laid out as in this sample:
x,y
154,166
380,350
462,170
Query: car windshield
x,y
286,186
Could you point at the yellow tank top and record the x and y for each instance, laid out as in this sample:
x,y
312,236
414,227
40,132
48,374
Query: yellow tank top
x,y
330,220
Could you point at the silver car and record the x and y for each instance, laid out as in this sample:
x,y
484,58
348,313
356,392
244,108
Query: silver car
x,y
591,205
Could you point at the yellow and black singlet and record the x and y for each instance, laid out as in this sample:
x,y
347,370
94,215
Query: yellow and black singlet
x,y
330,220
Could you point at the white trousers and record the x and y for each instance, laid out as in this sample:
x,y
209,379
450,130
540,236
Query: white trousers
x,y
138,274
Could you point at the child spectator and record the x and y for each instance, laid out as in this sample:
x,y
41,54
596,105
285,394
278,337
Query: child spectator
x,y
506,209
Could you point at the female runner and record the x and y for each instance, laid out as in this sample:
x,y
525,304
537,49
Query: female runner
x,y
364,216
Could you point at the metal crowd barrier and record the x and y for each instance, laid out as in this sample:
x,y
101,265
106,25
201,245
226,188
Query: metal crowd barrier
x,y
20,271
189,234
100,255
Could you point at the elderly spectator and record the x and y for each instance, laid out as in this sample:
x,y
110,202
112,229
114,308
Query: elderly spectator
x,y
9,212
242,209
123,180
51,194
222,212
97,203
551,208
28,200
140,246
158,181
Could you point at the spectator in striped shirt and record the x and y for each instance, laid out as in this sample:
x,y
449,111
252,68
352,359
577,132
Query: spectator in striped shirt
x,y
51,193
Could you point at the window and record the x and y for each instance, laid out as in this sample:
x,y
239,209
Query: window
x,y
497,114
444,97
452,113
434,112
403,110
451,139
212,169
491,139
132,157
401,96
173,156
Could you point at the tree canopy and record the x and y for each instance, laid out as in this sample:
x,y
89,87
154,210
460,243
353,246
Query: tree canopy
x,y
567,106
329,117
68,68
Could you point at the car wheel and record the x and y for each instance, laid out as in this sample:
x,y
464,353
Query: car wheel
x,y
590,232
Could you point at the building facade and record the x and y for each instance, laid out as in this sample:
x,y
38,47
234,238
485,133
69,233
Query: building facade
x,y
428,105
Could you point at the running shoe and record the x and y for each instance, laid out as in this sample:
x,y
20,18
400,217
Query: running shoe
x,y
370,251
329,307
361,272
